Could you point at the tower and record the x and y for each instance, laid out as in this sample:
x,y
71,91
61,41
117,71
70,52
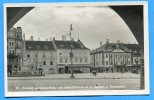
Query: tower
x,y
18,46
14,49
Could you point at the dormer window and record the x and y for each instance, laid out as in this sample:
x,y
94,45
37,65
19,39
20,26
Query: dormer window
x,y
72,46
61,45
38,47
29,46
45,47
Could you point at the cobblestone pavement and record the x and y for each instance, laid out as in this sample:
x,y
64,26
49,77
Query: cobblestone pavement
x,y
83,75
103,81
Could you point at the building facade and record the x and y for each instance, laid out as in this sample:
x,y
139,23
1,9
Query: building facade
x,y
14,50
80,58
115,57
40,57
53,56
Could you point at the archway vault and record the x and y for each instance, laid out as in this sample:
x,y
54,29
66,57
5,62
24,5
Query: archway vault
x,y
14,14
133,17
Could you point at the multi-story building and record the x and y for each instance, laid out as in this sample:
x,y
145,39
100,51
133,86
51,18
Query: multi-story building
x,y
137,57
39,57
114,57
54,56
14,50
80,59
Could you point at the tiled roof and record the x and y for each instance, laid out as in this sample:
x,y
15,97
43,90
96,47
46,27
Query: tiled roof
x,y
134,48
64,44
39,45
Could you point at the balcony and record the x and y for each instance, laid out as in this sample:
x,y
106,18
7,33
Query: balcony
x,y
11,55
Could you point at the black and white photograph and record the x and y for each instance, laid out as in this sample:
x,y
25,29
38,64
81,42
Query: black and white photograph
x,y
76,49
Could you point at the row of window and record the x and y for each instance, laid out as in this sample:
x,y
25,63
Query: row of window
x,y
11,35
36,55
73,53
44,62
38,47
115,63
76,60
118,63
11,43
117,55
113,56
11,51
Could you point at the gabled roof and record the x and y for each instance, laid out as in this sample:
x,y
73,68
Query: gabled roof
x,y
39,45
65,44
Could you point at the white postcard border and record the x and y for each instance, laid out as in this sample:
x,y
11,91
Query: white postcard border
x,y
81,92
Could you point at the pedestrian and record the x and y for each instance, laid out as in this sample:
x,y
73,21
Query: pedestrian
x,y
94,73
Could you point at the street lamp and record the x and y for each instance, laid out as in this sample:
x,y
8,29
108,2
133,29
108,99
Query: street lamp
x,y
71,53
71,56
29,65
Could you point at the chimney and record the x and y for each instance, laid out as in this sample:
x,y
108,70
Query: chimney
x,y
19,27
100,43
50,39
53,38
31,38
107,41
46,39
63,37
39,39
118,41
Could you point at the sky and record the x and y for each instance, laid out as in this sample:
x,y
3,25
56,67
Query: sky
x,y
91,24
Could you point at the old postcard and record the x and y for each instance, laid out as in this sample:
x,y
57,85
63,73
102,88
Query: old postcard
x,y
76,49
